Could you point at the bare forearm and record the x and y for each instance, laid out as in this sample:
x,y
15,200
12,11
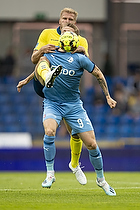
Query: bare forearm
x,y
30,77
24,81
101,79
36,56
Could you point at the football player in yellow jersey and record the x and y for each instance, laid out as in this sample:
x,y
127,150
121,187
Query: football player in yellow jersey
x,y
48,42
48,39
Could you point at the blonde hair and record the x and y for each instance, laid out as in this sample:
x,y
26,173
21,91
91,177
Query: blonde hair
x,y
69,10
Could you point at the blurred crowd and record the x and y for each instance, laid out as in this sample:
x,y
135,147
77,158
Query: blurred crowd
x,y
7,63
126,91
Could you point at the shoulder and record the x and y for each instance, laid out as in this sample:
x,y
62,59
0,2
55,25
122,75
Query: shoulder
x,y
81,56
82,39
84,43
83,59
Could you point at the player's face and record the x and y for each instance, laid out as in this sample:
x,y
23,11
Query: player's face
x,y
67,28
66,18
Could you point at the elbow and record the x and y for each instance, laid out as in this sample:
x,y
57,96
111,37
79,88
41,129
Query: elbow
x,y
33,60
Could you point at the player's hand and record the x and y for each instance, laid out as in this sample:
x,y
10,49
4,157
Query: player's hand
x,y
111,102
21,84
49,48
80,49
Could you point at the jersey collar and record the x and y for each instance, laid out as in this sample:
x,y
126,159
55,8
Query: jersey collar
x,y
58,30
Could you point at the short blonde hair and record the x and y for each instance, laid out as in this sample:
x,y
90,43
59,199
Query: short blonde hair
x,y
69,10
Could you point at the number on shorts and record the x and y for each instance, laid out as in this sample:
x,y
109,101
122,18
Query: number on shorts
x,y
80,122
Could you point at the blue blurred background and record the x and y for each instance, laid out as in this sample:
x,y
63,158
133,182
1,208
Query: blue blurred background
x,y
112,28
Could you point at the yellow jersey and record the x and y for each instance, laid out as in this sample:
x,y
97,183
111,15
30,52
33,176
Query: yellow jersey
x,y
51,36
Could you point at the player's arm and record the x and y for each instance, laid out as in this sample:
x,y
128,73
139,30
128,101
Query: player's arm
x,y
37,54
30,77
25,81
42,46
102,82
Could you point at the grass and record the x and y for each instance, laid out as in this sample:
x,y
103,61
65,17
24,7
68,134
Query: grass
x,y
23,191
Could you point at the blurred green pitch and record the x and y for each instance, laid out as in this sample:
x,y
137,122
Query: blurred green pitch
x,y
24,191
